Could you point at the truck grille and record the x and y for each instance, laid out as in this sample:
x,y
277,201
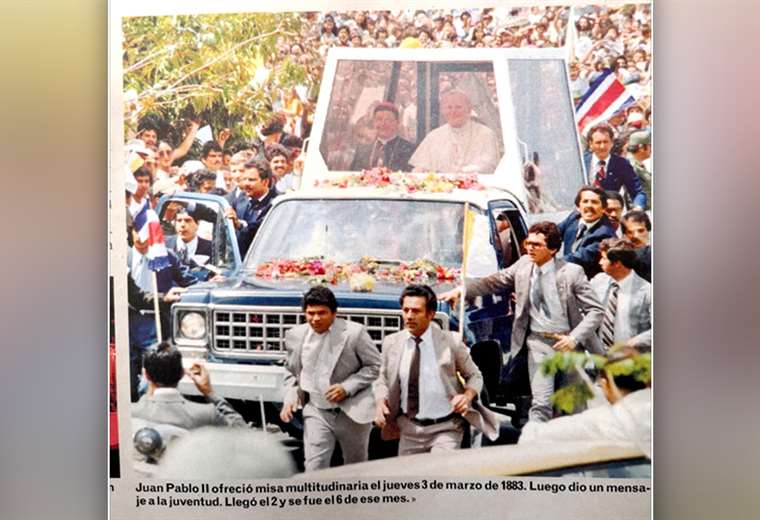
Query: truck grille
x,y
262,333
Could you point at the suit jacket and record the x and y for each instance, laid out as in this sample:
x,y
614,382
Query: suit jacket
x,y
587,255
252,213
396,155
584,311
618,173
453,360
204,247
353,362
644,263
169,407
638,319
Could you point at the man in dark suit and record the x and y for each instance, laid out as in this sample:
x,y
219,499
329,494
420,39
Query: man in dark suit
x,y
388,149
585,228
249,211
186,243
608,171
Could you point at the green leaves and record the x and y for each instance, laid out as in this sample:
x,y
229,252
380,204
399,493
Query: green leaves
x,y
183,66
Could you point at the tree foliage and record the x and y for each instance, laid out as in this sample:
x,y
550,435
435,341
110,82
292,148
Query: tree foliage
x,y
219,69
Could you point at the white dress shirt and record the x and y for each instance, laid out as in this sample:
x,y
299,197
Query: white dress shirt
x,y
539,321
313,378
191,246
594,167
434,403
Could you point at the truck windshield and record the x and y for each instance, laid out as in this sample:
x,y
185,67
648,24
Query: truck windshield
x,y
346,230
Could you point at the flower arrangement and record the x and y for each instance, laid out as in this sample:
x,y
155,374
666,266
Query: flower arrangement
x,y
409,182
361,276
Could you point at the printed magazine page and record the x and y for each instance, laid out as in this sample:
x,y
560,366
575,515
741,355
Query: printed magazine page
x,y
393,263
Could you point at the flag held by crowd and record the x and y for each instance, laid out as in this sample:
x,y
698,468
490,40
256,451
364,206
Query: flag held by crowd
x,y
606,96
148,229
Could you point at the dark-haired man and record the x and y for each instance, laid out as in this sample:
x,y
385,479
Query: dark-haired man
x,y
211,156
626,297
249,210
279,162
636,227
186,243
614,210
419,396
555,310
585,228
608,171
388,149
163,404
329,372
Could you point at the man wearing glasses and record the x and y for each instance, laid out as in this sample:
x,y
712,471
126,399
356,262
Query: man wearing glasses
x,y
556,309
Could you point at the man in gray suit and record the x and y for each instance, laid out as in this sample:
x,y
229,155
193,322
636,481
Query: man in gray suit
x,y
163,404
556,308
419,396
625,295
331,365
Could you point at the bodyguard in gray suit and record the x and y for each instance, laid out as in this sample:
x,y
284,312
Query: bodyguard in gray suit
x,y
626,297
163,404
330,367
556,308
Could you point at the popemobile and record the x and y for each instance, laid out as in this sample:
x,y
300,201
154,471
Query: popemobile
x,y
423,165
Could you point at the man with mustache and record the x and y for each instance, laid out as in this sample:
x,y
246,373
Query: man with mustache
x,y
584,229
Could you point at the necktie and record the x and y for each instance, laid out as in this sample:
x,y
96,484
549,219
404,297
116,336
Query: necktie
x,y
377,154
607,331
182,254
600,174
537,294
413,386
579,236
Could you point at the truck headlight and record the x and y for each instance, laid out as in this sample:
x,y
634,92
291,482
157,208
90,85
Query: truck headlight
x,y
193,325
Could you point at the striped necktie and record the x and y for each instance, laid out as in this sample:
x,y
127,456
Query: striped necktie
x,y
607,330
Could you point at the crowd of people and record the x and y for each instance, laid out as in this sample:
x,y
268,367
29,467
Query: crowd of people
x,y
599,254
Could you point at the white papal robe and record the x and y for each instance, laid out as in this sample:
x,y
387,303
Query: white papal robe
x,y
471,148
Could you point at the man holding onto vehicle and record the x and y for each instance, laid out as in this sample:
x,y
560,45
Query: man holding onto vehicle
x,y
419,396
249,211
608,171
163,404
585,228
555,310
388,148
330,368
626,297
459,146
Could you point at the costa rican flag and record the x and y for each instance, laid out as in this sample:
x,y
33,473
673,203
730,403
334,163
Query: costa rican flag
x,y
605,96
148,228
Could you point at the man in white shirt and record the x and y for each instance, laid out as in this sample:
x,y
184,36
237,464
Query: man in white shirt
x,y
329,372
625,295
555,310
627,418
419,397
459,146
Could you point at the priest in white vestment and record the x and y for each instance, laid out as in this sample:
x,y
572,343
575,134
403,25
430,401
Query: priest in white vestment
x,y
459,146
